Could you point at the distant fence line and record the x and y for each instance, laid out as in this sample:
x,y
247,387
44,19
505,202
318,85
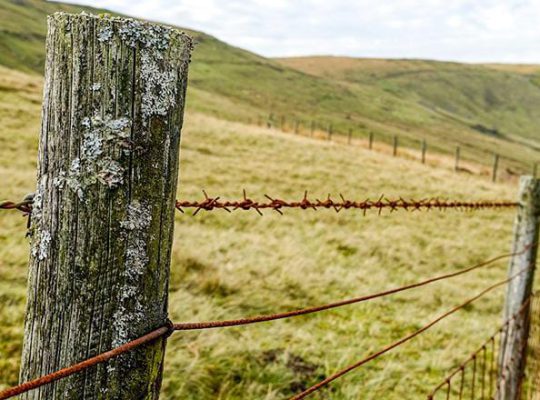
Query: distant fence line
x,y
329,132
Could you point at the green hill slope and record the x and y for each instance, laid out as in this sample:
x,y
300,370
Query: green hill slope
x,y
483,109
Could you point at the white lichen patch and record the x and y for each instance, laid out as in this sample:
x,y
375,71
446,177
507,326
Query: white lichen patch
x,y
160,86
130,311
96,87
41,245
105,34
93,166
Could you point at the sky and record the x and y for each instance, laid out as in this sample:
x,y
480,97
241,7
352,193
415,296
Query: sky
x,y
455,30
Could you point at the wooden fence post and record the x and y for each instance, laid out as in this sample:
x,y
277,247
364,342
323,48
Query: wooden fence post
x,y
103,213
349,138
424,150
395,146
458,157
495,168
330,132
370,141
525,245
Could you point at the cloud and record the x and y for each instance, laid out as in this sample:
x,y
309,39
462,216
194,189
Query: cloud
x,y
461,30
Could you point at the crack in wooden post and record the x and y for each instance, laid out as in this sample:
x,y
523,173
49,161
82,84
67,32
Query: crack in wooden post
x,y
102,221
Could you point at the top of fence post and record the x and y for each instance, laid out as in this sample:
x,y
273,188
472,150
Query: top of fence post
x,y
103,213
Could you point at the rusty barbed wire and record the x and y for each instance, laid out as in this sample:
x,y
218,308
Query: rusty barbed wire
x,y
381,204
170,328
403,340
278,205
24,206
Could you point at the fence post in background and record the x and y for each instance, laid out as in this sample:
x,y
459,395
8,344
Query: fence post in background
x,y
395,146
495,168
424,149
370,141
525,245
103,213
349,138
458,157
330,132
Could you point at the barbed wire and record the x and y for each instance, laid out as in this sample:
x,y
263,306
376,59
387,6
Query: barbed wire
x,y
170,328
401,341
382,203
278,205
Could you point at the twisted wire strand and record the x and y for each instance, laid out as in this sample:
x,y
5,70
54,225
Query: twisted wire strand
x,y
401,341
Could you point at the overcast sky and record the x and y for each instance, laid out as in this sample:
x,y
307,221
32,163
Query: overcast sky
x,y
460,30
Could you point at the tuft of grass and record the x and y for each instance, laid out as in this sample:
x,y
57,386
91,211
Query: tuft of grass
x,y
234,265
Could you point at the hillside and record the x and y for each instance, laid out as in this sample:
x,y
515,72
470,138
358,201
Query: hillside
x,y
241,264
483,109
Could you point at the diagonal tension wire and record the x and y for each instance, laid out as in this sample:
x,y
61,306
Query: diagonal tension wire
x,y
401,341
170,328
271,317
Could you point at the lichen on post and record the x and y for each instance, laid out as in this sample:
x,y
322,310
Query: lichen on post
x,y
103,214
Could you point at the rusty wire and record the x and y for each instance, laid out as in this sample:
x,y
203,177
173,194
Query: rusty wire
x,y
383,203
101,358
401,341
295,313
170,327
487,388
278,205
25,206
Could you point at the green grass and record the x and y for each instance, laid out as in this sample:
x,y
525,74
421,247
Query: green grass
x,y
233,265
447,104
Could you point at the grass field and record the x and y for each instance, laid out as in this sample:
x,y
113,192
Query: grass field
x,y
234,265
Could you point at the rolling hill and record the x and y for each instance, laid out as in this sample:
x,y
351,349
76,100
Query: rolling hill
x,y
484,109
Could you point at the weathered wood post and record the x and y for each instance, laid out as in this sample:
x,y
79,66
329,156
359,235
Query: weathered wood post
x,y
395,146
102,220
424,150
349,138
370,141
525,245
458,157
330,132
495,167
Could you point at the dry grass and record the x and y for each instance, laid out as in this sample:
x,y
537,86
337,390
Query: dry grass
x,y
231,265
